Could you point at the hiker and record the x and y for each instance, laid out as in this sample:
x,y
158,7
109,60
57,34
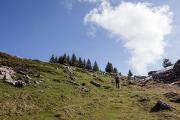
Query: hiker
x,y
117,81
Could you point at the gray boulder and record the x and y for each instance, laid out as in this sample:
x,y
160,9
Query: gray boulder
x,y
160,105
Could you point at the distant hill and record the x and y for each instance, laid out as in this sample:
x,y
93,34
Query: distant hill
x,y
44,91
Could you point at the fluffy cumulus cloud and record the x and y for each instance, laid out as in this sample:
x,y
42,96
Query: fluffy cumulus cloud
x,y
141,27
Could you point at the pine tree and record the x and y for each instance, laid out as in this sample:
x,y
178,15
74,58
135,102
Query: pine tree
x,y
52,59
95,66
68,60
130,74
73,60
109,67
60,60
115,70
56,59
80,63
84,63
64,59
88,65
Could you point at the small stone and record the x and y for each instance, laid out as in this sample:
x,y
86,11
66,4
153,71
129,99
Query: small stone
x,y
95,83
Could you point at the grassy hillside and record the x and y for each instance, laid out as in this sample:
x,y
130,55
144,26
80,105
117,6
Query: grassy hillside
x,y
58,97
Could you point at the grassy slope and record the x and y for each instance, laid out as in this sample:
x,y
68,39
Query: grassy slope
x,y
55,98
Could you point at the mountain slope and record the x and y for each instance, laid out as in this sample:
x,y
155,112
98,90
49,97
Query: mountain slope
x,y
65,93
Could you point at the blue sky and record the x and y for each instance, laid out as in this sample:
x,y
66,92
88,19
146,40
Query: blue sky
x,y
38,28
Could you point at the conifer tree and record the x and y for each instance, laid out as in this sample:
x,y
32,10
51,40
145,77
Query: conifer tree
x,y
73,60
52,59
84,63
95,66
68,60
130,74
88,65
80,63
64,59
109,67
115,70
60,60
56,59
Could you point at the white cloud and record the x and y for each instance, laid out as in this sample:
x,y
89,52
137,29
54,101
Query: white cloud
x,y
141,26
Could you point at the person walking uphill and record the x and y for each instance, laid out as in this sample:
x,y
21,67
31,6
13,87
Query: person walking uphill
x,y
117,81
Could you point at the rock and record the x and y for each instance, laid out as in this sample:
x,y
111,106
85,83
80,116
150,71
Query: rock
x,y
95,83
6,73
170,94
73,82
84,89
5,69
20,83
69,70
21,72
107,87
175,83
174,97
160,105
1,77
7,76
11,82
144,99
27,76
26,79
72,78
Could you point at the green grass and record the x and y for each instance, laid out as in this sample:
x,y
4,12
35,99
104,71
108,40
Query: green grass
x,y
56,99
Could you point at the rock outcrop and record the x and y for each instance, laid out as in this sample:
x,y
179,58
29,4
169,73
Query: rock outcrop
x,y
7,74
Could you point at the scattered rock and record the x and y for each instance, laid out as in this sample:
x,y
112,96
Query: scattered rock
x,y
107,87
144,99
160,105
174,97
84,89
7,74
72,78
170,94
73,82
11,82
175,84
95,83
21,72
20,83
69,70
26,79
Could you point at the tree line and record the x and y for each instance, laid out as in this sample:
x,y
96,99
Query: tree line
x,y
74,61
81,63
